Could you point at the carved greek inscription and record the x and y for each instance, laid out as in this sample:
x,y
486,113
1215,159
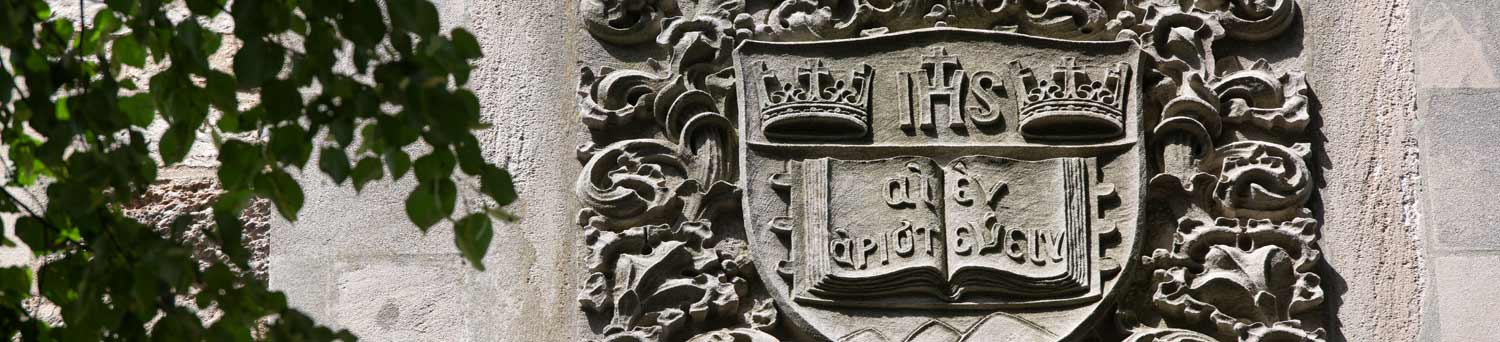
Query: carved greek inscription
x,y
907,190
968,190
974,225
988,237
860,252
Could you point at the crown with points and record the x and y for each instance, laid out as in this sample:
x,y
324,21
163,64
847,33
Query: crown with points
x,y
1072,104
815,105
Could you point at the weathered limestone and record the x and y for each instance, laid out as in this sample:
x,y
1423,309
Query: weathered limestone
x,y
831,158
353,262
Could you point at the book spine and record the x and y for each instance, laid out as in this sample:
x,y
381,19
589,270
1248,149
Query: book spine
x,y
815,228
1076,217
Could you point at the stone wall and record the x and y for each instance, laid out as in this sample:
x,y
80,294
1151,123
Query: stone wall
x,y
1359,65
1456,49
353,261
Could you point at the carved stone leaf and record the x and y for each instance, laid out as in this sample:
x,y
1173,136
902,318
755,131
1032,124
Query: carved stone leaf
x,y
1247,285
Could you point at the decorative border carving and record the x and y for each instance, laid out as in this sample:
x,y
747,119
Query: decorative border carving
x,y
660,185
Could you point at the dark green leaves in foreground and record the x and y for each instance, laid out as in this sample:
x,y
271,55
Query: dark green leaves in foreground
x,y
472,234
72,126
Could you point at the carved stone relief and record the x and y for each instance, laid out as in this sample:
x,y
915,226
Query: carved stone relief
x,y
945,170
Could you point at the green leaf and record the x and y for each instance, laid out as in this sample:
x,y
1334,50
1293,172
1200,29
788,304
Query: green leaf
x,y
334,162
430,202
58,277
467,46
496,182
7,84
60,108
230,232
221,91
189,106
105,22
15,284
398,162
283,191
207,8
126,6
144,288
342,131
363,23
472,234
366,171
175,144
140,108
33,233
470,160
257,61
281,100
42,12
291,145
229,331
127,50
239,163
243,121
435,165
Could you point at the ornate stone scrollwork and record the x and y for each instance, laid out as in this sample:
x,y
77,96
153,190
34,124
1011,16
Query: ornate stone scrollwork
x,y
1223,145
630,22
625,21
1256,19
1239,278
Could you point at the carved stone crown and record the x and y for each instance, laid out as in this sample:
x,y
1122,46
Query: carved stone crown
x,y
1071,104
815,105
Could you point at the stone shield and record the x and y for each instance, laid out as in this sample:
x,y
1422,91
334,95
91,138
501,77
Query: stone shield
x,y
942,184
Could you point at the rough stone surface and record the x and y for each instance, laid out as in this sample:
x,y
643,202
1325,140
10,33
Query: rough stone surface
x,y
1457,51
1457,166
191,193
432,288
351,258
330,261
1464,304
1359,65
1458,217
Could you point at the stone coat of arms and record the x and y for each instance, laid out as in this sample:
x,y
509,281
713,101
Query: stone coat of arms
x,y
945,170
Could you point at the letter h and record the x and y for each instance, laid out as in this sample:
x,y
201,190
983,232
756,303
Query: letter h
x,y
936,90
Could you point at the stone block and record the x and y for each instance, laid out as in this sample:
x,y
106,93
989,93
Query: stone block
x,y
1459,162
1453,43
1466,299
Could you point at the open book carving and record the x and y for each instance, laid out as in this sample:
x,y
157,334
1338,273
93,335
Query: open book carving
x,y
909,227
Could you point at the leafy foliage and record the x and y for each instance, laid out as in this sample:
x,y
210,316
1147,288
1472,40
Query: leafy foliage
x,y
73,125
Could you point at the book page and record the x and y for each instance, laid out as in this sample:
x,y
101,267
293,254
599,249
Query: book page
x,y
884,218
1008,219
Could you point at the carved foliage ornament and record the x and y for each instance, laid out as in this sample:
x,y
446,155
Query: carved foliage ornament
x,y
953,170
